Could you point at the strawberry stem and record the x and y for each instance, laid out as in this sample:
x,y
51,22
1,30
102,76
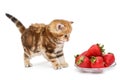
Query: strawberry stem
x,y
101,48
76,55
93,59
80,60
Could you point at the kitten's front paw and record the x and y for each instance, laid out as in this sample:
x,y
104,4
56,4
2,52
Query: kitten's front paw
x,y
64,65
28,65
56,66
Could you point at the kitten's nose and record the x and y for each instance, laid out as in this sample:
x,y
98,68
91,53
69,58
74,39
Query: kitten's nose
x,y
67,39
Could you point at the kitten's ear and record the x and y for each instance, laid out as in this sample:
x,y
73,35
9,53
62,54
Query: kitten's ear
x,y
71,22
59,27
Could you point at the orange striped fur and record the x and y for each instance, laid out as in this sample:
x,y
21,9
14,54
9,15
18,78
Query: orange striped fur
x,y
47,40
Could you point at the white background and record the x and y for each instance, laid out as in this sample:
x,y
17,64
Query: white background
x,y
95,21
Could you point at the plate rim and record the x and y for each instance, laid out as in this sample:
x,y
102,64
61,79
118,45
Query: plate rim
x,y
95,69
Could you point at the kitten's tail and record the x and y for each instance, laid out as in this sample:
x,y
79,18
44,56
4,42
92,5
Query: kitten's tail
x,y
19,25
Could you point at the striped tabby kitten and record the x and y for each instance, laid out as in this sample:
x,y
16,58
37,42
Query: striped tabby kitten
x,y
47,40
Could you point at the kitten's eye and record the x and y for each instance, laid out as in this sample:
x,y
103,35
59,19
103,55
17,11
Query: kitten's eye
x,y
65,36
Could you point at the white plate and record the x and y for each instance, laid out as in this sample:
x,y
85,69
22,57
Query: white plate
x,y
95,70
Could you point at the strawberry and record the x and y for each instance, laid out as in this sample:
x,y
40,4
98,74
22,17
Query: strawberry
x,y
83,61
108,59
95,50
79,55
97,62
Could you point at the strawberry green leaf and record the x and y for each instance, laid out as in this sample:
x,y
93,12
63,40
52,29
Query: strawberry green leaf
x,y
93,59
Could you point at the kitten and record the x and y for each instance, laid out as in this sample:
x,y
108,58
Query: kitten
x,y
47,40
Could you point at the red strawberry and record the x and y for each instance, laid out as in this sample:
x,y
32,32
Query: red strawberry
x,y
97,62
95,50
83,61
79,55
109,59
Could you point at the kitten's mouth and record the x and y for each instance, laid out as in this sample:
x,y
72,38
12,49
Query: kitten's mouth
x,y
62,41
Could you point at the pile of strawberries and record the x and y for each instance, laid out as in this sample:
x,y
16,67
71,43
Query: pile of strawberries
x,y
95,57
